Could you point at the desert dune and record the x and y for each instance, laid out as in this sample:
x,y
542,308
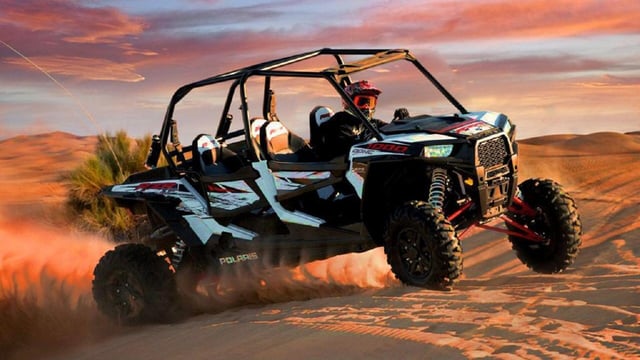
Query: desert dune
x,y
347,307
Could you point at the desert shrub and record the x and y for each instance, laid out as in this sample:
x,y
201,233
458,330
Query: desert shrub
x,y
116,157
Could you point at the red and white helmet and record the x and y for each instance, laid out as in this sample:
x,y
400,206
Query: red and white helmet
x,y
364,95
362,87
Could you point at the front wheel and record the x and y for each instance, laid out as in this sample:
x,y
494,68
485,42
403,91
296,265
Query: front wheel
x,y
133,285
556,220
422,247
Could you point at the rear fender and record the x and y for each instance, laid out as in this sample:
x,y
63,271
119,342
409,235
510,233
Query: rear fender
x,y
179,205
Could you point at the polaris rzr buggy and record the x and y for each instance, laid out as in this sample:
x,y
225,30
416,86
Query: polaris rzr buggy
x,y
240,186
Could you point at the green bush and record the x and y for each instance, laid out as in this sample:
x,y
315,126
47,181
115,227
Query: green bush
x,y
116,157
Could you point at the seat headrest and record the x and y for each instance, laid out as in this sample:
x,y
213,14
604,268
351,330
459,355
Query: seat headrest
x,y
207,147
277,137
318,116
321,114
256,125
275,129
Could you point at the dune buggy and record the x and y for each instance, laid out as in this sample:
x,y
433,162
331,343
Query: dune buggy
x,y
243,186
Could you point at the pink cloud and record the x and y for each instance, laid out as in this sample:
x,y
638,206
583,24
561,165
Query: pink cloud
x,y
530,65
73,22
86,68
611,82
69,39
506,18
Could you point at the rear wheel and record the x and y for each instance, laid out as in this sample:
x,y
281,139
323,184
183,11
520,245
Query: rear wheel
x,y
556,220
422,247
134,285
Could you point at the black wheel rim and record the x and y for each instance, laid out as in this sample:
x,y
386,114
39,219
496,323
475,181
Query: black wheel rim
x,y
126,295
541,225
414,252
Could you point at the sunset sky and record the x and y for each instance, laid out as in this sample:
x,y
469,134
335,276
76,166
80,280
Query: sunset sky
x,y
554,66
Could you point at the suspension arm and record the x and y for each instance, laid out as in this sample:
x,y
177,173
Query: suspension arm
x,y
524,232
518,207
521,208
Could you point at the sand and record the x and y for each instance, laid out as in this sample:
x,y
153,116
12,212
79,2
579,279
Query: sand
x,y
345,307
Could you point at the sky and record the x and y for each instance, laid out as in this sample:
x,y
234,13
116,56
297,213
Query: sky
x,y
90,66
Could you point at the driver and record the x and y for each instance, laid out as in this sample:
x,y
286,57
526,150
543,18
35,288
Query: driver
x,y
345,129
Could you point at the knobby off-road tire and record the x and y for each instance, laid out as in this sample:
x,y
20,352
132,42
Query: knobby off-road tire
x,y
557,221
133,285
422,247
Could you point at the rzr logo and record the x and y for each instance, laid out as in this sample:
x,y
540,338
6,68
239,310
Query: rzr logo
x,y
388,147
156,186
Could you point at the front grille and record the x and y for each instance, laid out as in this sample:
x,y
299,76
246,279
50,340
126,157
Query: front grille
x,y
493,152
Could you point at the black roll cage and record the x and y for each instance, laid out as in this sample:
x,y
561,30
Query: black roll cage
x,y
338,77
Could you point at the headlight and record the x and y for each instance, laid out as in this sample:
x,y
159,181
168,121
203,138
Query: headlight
x,y
433,151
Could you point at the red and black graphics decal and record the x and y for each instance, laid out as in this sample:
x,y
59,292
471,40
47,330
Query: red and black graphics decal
x,y
156,186
218,188
388,147
467,127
